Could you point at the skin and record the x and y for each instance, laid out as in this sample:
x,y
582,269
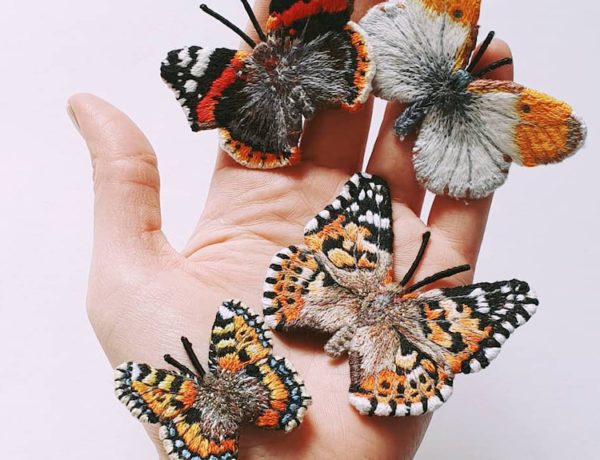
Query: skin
x,y
143,294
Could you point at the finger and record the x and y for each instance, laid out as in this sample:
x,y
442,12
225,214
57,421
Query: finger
x,y
333,138
463,222
126,181
392,160
336,138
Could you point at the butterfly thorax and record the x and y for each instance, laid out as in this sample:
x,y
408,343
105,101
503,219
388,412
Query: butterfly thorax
x,y
226,400
448,94
384,306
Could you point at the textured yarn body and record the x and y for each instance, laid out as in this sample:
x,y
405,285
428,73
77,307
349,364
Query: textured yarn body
x,y
469,129
405,344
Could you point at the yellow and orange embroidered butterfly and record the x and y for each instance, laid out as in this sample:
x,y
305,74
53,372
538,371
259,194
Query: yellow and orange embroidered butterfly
x,y
404,346
471,129
201,412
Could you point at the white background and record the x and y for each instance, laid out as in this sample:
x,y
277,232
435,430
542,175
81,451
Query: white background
x,y
539,400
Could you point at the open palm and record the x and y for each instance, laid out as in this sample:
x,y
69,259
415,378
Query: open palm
x,y
144,295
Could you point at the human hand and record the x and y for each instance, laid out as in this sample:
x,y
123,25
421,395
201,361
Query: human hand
x,y
144,295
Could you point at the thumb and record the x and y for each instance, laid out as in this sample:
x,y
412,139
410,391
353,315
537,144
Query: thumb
x,y
126,179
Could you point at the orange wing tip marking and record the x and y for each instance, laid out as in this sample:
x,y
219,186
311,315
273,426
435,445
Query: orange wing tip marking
x,y
251,158
548,131
365,67
465,12
303,10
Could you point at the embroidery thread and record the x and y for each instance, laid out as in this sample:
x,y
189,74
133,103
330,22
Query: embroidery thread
x,y
470,129
201,412
311,58
405,346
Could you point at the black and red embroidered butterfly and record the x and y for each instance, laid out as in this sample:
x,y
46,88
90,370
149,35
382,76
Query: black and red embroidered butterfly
x,y
311,57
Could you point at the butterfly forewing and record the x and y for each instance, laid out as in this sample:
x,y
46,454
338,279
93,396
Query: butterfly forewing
x,y
273,395
353,237
348,250
416,44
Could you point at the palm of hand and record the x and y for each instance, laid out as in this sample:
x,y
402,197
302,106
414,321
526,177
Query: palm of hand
x,y
144,295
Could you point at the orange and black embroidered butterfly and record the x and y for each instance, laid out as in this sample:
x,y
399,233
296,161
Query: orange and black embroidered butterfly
x,y
201,412
311,57
405,345
470,128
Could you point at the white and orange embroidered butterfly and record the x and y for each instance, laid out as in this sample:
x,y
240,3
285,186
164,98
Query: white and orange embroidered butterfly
x,y
471,129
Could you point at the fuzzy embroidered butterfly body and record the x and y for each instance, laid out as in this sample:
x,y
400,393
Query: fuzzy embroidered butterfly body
x,y
470,129
311,58
404,345
201,412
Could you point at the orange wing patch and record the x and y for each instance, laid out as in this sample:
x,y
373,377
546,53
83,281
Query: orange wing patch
x,y
549,132
182,439
389,393
342,242
237,339
151,394
464,13
252,158
365,69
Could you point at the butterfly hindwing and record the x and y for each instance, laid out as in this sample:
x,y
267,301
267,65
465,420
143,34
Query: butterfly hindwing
x,y
299,293
397,380
408,368
183,439
240,345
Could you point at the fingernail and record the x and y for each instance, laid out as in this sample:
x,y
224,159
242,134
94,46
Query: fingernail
x,y
73,118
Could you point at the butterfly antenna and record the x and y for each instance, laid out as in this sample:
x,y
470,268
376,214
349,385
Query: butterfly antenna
x,y
229,24
438,276
176,364
493,66
417,261
482,49
254,21
193,358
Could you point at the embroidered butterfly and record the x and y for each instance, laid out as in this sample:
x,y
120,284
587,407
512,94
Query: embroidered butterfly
x,y
471,129
200,412
311,58
404,345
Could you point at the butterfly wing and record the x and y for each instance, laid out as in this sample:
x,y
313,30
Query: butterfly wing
x,y
154,395
442,333
200,79
310,18
331,53
415,43
179,404
270,391
214,91
183,439
352,238
348,249
500,122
